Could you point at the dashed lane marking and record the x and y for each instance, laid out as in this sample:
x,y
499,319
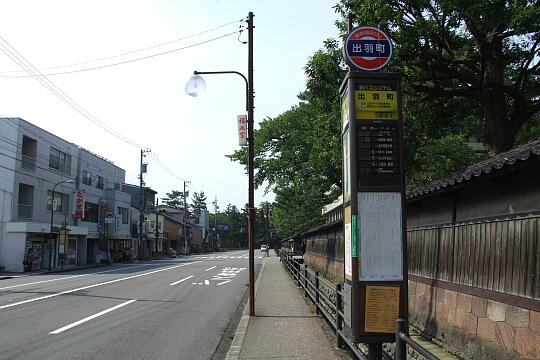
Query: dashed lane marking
x,y
67,327
179,281
93,286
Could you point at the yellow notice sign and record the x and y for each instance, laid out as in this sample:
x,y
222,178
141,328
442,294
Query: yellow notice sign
x,y
382,309
376,104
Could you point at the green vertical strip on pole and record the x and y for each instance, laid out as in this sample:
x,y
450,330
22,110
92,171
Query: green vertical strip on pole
x,y
354,236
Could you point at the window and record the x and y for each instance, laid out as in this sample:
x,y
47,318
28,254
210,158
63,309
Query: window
x,y
86,177
99,182
91,212
29,150
26,200
125,215
116,186
60,161
62,201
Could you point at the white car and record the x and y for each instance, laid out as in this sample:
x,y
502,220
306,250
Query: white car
x,y
264,248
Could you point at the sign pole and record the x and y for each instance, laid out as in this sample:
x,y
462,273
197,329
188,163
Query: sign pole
x,y
375,286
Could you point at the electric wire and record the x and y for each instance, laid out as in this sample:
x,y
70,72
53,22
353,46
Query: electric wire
x,y
133,51
15,56
121,62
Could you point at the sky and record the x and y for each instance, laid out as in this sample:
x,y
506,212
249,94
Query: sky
x,y
145,100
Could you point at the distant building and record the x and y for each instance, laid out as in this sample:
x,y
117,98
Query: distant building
x,y
86,186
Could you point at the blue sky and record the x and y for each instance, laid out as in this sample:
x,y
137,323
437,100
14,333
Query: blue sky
x,y
145,100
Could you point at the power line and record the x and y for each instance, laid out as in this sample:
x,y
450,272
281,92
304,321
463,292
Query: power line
x,y
133,51
15,56
121,62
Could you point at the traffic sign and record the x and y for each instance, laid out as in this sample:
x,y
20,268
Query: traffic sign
x,y
367,48
109,213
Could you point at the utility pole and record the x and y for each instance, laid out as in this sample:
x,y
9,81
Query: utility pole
x,y
216,207
157,231
142,169
186,241
267,233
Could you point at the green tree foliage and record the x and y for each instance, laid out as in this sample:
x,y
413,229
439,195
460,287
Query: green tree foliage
x,y
482,56
175,199
298,153
446,154
198,202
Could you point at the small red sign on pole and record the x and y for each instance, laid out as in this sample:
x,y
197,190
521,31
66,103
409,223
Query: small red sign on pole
x,y
242,129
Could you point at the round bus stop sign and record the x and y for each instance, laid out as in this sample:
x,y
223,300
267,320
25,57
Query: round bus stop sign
x,y
367,48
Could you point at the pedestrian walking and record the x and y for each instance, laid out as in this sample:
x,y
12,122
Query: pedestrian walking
x,y
27,262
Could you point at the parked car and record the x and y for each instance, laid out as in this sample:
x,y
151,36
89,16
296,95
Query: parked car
x,y
264,248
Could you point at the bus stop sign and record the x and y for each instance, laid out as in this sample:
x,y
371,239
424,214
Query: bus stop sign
x,y
367,48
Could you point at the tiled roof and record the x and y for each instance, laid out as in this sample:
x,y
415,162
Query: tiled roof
x,y
521,153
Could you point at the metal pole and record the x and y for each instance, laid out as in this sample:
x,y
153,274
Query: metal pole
x,y
251,204
186,241
401,347
157,231
51,230
375,351
141,214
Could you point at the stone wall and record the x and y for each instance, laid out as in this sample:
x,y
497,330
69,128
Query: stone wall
x,y
477,327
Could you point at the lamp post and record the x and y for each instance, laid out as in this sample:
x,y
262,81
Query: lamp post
x,y
195,87
52,218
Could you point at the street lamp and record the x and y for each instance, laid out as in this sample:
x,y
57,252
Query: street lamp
x,y
52,217
196,87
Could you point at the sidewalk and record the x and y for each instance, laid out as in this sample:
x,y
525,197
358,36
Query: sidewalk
x,y
284,326
10,275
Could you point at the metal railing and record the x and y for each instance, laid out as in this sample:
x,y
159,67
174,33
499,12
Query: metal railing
x,y
328,301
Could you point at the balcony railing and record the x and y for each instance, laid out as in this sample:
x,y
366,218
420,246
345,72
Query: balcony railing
x,y
28,162
25,211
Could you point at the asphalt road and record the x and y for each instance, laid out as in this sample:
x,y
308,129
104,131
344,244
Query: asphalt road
x,y
164,309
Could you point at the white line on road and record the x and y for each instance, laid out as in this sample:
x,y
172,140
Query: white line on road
x,y
213,267
67,327
94,285
72,277
179,281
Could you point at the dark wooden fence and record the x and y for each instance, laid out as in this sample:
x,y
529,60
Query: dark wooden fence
x,y
499,255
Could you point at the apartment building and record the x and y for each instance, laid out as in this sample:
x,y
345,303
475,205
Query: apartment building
x,y
58,199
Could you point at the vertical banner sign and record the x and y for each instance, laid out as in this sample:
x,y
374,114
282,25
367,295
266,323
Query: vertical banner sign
x,y
242,129
79,205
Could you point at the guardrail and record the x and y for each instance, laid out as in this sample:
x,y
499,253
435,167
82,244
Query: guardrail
x,y
328,300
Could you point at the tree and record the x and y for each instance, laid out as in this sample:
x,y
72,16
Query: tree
x,y
485,52
174,199
198,202
298,153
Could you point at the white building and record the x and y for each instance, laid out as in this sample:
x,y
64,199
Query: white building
x,y
33,162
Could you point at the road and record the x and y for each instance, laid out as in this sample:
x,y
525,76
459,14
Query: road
x,y
162,309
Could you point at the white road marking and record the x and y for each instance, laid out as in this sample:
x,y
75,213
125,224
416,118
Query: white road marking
x,y
94,285
224,282
213,267
67,327
71,277
206,282
179,281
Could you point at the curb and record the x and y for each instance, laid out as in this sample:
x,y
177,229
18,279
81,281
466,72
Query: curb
x,y
240,333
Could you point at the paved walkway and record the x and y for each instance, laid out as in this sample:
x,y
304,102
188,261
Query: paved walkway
x,y
282,323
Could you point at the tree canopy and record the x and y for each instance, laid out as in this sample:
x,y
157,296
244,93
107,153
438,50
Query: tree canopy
x,y
175,199
470,70
482,56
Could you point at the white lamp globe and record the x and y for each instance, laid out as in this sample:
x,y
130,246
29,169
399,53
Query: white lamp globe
x,y
195,86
